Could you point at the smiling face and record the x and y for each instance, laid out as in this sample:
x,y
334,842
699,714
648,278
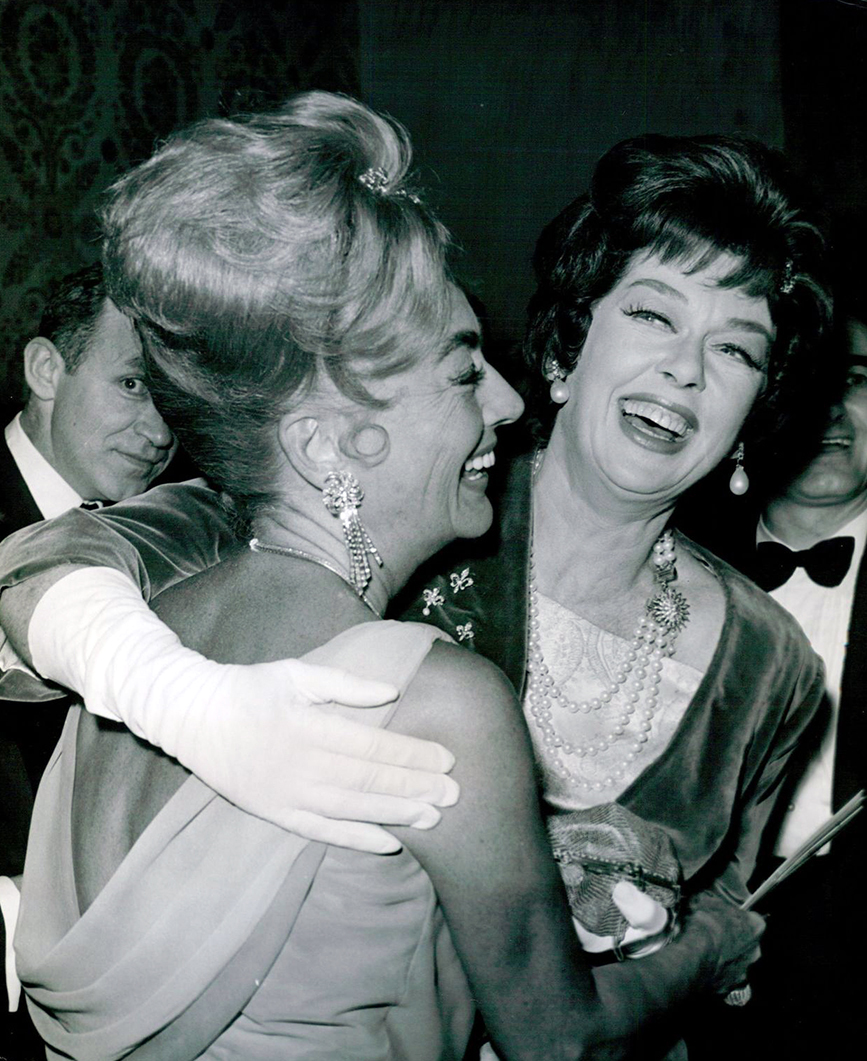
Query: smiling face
x,y
105,437
670,368
441,430
838,473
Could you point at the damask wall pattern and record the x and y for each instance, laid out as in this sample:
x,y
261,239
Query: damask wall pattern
x,y
87,87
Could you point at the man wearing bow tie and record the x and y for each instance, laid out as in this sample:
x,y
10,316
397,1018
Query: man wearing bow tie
x,y
813,977
822,518
808,552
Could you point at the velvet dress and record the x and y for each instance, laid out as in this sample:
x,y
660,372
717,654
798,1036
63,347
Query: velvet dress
x,y
715,785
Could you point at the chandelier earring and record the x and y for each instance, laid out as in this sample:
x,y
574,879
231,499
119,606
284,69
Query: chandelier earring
x,y
739,482
342,496
560,393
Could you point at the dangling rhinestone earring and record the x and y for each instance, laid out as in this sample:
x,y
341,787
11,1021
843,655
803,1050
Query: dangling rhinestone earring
x,y
559,392
739,482
342,497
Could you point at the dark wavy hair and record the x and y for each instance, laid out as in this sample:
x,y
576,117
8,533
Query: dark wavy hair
x,y
71,313
256,262
687,199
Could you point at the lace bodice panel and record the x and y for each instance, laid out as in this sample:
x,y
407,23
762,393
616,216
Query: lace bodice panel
x,y
583,660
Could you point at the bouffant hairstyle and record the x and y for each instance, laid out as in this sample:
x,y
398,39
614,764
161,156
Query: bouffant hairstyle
x,y
687,199
264,254
71,312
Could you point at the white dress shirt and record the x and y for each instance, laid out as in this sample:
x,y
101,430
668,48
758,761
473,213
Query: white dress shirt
x,y
51,492
824,613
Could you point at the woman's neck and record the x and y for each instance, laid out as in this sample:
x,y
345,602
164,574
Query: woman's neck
x,y
590,549
299,531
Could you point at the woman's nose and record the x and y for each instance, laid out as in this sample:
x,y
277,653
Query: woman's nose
x,y
502,403
682,361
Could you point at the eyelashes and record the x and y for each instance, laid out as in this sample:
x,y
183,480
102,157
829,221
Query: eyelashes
x,y
471,378
134,386
642,312
734,350
636,311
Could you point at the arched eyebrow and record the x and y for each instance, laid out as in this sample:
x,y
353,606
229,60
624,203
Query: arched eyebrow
x,y
131,363
750,326
660,286
741,323
469,338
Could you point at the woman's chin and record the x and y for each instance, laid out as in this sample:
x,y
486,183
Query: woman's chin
x,y
645,474
475,518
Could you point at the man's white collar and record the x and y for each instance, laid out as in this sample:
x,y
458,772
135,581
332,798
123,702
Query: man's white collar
x,y
51,492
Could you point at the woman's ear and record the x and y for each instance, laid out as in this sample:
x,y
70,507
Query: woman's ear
x,y
43,366
310,447
318,445
365,443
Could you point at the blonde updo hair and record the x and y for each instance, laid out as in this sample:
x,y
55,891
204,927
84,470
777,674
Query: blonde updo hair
x,y
260,252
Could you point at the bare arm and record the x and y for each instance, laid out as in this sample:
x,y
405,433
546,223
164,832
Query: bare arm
x,y
502,896
491,866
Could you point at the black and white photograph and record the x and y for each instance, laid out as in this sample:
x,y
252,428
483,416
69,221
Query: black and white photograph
x,y
433,512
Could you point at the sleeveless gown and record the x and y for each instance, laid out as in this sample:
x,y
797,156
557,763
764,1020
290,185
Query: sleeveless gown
x,y
221,936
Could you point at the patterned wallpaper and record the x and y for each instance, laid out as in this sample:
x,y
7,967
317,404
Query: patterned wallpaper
x,y
88,86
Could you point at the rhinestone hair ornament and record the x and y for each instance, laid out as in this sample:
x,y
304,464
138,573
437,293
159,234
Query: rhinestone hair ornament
x,y
377,181
788,281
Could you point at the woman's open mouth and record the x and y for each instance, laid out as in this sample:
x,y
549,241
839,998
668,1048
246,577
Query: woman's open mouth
x,y
476,468
656,424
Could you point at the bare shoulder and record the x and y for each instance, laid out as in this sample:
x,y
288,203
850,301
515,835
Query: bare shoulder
x,y
492,841
459,697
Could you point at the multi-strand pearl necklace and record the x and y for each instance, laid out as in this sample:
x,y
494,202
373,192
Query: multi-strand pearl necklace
x,y
635,684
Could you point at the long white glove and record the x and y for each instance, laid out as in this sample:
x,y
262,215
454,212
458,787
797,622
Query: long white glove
x,y
252,733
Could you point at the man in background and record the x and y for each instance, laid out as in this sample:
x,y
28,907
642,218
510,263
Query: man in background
x,y
814,980
89,431
88,434
806,547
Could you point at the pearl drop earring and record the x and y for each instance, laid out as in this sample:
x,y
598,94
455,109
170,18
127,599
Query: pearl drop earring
x,y
559,391
739,482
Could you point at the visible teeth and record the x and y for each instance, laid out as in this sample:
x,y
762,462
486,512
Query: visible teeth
x,y
836,442
657,414
480,462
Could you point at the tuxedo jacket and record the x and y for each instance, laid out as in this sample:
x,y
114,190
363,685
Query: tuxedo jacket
x,y
28,731
727,526
17,507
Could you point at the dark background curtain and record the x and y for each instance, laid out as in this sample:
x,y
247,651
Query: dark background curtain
x,y
509,103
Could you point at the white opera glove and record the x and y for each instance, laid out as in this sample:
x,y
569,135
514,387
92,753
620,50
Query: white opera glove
x,y
252,733
647,919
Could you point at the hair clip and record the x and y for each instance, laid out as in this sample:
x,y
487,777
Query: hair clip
x,y
374,179
788,278
377,180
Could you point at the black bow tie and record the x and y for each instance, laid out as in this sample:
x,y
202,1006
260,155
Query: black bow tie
x,y
826,563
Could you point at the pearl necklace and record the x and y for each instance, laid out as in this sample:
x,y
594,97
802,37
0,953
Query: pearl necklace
x,y
636,683
286,550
